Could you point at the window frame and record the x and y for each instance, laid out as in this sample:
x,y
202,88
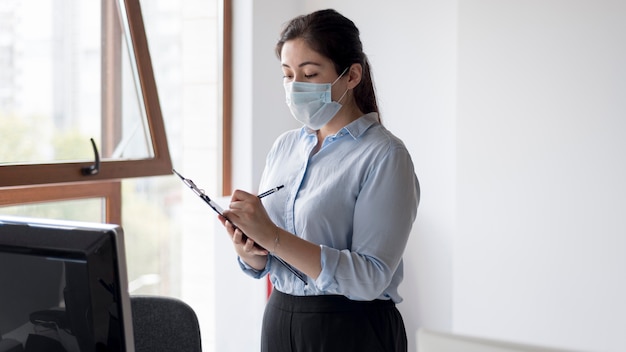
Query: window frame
x,y
227,96
110,192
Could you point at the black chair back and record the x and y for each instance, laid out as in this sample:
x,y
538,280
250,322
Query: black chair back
x,y
164,324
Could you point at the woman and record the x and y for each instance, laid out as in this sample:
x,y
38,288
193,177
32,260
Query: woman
x,y
333,237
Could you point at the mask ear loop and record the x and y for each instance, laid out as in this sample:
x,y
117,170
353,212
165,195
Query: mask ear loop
x,y
343,95
341,75
346,92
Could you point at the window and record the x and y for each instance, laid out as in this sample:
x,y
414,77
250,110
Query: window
x,y
80,70
77,70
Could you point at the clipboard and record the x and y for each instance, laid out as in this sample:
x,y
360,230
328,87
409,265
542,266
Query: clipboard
x,y
200,193
216,207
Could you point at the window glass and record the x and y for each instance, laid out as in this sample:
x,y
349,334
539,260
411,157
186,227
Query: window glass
x,y
152,238
58,74
90,210
173,231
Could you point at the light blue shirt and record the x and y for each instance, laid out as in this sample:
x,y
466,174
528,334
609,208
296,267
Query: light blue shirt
x,y
356,197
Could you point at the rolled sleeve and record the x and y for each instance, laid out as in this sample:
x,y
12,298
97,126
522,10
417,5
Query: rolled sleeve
x,y
383,217
329,260
252,272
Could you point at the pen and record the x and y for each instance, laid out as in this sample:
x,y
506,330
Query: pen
x,y
268,192
289,267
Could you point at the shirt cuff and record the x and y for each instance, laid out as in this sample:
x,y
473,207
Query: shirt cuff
x,y
330,260
252,272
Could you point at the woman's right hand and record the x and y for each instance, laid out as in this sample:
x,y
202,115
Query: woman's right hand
x,y
251,253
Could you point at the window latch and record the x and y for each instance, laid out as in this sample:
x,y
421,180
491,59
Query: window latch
x,y
94,169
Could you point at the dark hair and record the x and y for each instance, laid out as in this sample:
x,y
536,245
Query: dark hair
x,y
337,38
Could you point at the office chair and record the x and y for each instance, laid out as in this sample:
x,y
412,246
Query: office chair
x,y
164,324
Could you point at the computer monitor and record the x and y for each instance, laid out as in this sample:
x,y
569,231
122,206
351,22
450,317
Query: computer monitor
x,y
63,287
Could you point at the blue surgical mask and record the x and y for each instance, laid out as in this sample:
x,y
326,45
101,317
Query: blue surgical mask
x,y
311,103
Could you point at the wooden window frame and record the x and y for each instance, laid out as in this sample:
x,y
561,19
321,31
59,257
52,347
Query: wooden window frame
x,y
111,192
227,96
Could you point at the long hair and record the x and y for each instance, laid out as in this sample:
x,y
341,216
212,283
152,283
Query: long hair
x,y
337,38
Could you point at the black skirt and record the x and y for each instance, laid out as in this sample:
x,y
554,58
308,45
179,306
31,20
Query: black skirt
x,y
331,323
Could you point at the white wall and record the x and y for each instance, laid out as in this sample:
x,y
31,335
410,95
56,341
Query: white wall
x,y
259,110
540,251
513,113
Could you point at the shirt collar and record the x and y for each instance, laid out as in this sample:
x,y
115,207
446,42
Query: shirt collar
x,y
357,127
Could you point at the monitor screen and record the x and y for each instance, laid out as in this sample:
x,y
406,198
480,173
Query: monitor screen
x,y
63,287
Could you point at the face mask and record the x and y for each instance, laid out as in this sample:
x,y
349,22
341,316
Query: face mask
x,y
311,104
